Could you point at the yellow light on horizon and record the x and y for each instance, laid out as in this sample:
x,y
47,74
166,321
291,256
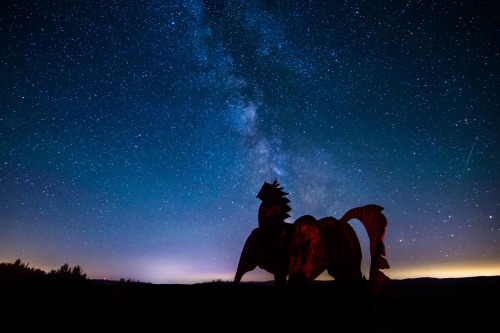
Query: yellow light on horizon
x,y
444,271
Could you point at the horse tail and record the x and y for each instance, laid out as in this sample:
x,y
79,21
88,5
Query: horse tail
x,y
375,223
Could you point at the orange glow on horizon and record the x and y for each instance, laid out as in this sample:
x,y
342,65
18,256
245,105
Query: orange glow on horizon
x,y
444,271
400,273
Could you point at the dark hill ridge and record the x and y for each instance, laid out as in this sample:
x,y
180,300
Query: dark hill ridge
x,y
424,304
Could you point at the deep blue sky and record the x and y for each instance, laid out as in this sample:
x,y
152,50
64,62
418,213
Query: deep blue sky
x,y
135,135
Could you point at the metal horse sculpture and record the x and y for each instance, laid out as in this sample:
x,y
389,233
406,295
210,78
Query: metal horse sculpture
x,y
306,248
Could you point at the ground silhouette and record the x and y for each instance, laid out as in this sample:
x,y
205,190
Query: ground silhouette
x,y
416,305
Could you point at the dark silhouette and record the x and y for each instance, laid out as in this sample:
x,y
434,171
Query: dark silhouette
x,y
30,296
304,249
20,272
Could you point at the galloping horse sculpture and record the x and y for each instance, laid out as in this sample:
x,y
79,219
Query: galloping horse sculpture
x,y
304,249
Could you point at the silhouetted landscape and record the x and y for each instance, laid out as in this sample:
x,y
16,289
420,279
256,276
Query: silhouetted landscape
x,y
412,305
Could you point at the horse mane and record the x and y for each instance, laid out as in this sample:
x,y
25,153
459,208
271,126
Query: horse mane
x,y
274,207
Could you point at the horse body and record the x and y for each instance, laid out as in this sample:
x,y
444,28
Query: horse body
x,y
305,249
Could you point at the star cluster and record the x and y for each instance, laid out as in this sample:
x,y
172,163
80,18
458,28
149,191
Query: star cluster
x,y
135,135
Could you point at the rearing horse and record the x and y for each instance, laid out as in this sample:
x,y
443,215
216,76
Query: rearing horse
x,y
306,248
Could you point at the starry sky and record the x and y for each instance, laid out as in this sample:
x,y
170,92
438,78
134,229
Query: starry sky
x,y
135,135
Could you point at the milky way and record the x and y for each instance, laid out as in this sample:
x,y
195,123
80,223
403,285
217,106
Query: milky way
x,y
135,135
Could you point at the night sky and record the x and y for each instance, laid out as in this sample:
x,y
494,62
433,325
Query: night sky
x,y
135,135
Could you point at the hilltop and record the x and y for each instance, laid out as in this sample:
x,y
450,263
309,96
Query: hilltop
x,y
423,304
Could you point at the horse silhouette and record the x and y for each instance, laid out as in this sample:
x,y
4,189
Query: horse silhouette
x,y
305,249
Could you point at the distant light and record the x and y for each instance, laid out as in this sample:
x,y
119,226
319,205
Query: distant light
x,y
451,270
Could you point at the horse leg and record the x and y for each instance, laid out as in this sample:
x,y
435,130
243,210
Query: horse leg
x,y
280,279
243,267
247,258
